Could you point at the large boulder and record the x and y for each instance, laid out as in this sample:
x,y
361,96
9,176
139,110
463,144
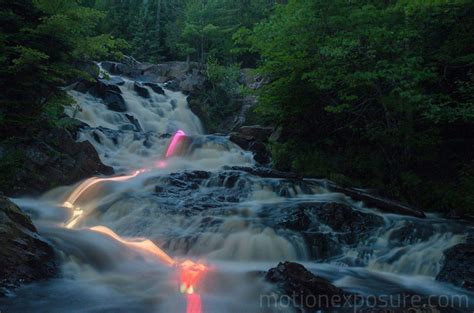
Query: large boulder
x,y
257,132
100,86
296,282
141,90
104,85
24,255
155,87
50,158
457,268
115,101
253,138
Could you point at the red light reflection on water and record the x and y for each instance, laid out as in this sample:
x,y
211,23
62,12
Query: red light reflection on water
x,y
190,275
193,303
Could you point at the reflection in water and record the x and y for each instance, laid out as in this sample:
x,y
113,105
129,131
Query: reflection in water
x,y
193,303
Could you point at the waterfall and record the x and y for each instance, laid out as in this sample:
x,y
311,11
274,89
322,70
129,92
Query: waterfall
x,y
180,228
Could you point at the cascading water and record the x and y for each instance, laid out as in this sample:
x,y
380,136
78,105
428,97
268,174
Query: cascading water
x,y
179,228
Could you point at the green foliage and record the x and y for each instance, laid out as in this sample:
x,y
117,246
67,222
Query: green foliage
x,y
225,78
40,42
220,100
379,92
174,29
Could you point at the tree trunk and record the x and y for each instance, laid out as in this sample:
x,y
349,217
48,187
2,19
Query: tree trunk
x,y
188,61
158,18
202,50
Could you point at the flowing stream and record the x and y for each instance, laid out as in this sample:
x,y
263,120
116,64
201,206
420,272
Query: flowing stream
x,y
180,228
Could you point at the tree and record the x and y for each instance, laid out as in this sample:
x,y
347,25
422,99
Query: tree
x,y
372,91
41,41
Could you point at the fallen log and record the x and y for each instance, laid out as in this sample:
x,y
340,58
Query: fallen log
x,y
371,200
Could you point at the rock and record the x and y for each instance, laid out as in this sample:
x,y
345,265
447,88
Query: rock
x,y
115,68
311,221
51,158
135,122
257,132
172,85
457,268
253,138
298,220
141,90
100,87
411,233
91,68
83,86
192,82
130,69
155,87
25,256
114,101
229,179
321,246
295,281
110,67
112,81
103,86
352,224
197,175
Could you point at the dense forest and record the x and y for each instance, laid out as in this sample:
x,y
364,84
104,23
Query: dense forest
x,y
376,94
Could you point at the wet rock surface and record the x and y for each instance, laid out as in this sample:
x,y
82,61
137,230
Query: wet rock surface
x,y
53,158
24,255
325,227
457,268
304,291
295,281
155,87
141,90
254,139
114,101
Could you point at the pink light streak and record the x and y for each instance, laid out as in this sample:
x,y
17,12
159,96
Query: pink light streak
x,y
177,138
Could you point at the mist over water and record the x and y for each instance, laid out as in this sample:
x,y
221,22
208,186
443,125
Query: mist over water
x,y
193,205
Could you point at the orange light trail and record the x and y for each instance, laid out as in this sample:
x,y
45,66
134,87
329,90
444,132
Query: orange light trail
x,y
144,245
88,183
91,182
